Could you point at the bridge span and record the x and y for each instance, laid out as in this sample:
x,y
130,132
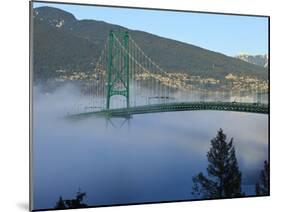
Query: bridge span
x,y
124,70
181,106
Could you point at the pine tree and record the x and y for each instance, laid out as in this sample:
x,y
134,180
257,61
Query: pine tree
x,y
224,177
60,204
77,202
72,203
262,187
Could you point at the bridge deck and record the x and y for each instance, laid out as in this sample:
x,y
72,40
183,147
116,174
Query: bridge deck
x,y
182,106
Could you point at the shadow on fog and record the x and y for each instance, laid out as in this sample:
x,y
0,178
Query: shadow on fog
x,y
154,161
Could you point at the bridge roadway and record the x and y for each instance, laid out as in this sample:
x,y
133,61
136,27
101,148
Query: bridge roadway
x,y
182,106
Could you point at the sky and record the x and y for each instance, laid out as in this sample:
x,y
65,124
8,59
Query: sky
x,y
227,34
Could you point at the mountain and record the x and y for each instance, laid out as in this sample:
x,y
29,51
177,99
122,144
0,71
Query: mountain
x,y
61,42
260,60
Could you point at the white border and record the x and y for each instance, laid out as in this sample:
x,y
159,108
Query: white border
x,y
14,103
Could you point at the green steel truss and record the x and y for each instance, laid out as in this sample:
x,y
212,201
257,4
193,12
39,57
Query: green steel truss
x,y
118,72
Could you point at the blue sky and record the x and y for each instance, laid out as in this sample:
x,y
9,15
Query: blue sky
x,y
227,34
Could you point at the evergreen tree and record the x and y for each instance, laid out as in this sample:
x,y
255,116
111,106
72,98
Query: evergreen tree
x,y
224,177
77,202
262,187
60,204
72,203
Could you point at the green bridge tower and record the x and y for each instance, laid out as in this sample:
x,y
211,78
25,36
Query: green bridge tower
x,y
118,72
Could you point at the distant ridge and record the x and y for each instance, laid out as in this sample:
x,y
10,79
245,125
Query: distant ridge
x,y
260,60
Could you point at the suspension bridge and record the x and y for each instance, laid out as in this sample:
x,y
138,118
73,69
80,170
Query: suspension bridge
x,y
126,81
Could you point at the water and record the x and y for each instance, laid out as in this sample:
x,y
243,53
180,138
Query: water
x,y
152,157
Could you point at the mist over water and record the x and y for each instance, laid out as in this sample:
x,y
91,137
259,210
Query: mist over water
x,y
151,157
